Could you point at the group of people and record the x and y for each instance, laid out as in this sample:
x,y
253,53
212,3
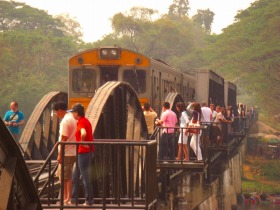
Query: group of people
x,y
190,120
169,121
74,127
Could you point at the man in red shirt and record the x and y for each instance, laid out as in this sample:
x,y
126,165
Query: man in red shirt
x,y
85,154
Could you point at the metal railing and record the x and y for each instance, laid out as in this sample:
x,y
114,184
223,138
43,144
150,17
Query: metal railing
x,y
122,176
167,151
212,135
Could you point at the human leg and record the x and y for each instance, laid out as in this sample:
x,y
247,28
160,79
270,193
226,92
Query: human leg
x,y
179,156
186,153
195,146
68,169
180,145
75,183
171,146
84,164
162,146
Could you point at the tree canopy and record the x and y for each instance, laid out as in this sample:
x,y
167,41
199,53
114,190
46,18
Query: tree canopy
x,y
247,52
35,47
33,56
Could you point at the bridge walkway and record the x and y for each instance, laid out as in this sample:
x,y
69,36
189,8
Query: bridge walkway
x,y
119,184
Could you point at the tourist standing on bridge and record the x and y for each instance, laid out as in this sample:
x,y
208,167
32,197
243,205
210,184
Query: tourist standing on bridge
x,y
67,130
150,116
167,141
206,118
221,121
195,140
14,119
242,117
214,113
190,110
85,155
183,138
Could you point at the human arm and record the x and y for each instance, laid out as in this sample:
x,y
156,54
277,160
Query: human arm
x,y
83,136
223,119
15,124
59,156
162,119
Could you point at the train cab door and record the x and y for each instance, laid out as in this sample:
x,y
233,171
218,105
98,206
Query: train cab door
x,y
108,73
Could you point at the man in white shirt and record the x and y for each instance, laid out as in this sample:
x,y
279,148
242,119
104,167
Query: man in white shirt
x,y
206,113
67,130
206,118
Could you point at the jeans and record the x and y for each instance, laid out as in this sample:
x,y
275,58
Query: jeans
x,y
82,168
167,146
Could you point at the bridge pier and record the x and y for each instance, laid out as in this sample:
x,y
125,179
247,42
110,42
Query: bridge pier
x,y
226,187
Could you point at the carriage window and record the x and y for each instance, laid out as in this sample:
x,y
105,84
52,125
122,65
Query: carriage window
x,y
83,80
136,78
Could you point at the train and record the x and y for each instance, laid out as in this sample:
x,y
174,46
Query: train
x,y
112,83
152,79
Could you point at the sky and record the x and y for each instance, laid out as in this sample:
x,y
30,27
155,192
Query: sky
x,y
94,15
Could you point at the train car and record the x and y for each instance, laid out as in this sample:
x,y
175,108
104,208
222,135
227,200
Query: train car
x,y
152,79
209,87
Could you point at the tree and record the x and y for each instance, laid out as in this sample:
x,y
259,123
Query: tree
x,y
34,50
179,8
204,19
248,52
70,27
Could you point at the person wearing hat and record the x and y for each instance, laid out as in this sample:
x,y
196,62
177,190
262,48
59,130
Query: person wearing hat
x,y
85,154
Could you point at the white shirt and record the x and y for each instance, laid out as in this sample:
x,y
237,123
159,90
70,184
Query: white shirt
x,y
68,127
206,114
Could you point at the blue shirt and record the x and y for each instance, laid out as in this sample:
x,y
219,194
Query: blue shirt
x,y
17,118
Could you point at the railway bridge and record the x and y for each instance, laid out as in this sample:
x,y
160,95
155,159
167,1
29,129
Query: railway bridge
x,y
126,172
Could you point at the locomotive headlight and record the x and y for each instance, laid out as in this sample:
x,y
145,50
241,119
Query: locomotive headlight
x,y
109,53
114,52
104,52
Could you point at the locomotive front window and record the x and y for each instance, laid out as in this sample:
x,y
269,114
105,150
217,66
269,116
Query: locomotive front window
x,y
136,78
83,80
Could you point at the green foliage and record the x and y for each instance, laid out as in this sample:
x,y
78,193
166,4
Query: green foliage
x,y
33,55
249,186
179,8
266,180
204,19
176,41
247,52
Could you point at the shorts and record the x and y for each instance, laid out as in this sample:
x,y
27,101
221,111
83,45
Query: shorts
x,y
68,167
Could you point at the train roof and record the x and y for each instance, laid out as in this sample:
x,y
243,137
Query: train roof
x,y
152,60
